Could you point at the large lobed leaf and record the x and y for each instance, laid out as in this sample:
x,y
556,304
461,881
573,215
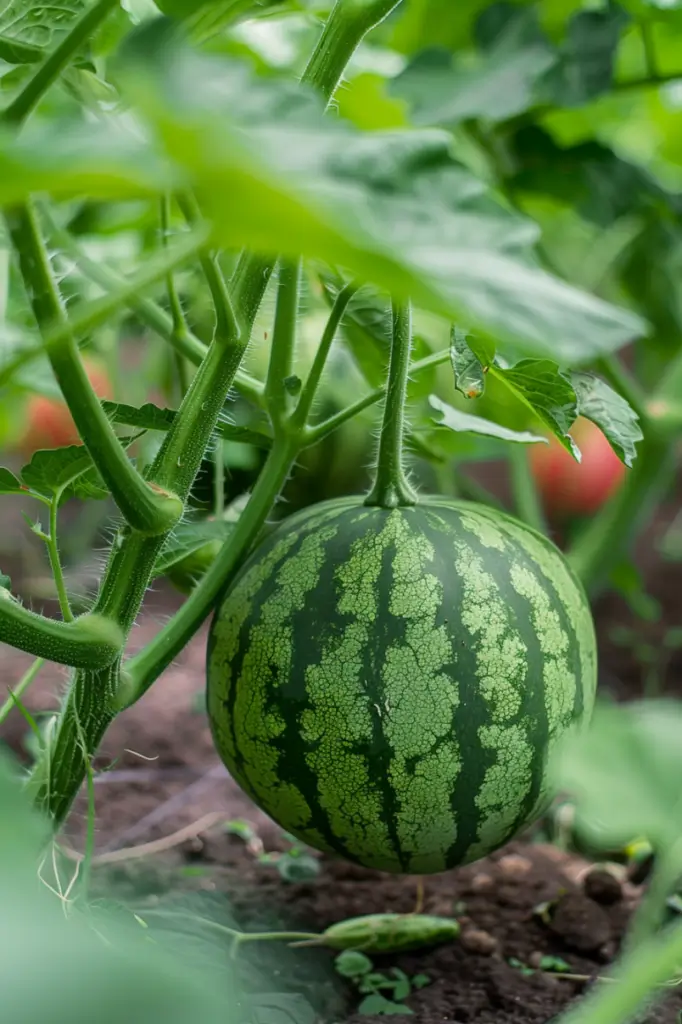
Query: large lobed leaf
x,y
391,208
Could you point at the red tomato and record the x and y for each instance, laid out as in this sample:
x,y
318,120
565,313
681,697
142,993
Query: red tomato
x,y
48,420
569,488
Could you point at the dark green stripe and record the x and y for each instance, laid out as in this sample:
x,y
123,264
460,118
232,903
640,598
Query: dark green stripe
x,y
473,710
390,632
533,705
312,628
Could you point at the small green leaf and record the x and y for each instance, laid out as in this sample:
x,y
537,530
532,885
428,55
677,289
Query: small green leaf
x,y
554,964
5,582
455,420
443,90
351,964
9,484
586,60
547,392
68,472
420,981
597,401
377,1004
401,989
467,367
56,469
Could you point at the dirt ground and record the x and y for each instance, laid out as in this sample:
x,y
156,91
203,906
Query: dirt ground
x,y
164,775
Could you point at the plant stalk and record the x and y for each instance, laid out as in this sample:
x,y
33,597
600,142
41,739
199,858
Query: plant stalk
x,y
635,978
601,544
650,914
280,367
526,497
391,487
146,509
88,641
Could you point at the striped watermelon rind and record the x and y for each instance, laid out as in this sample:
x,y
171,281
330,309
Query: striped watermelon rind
x,y
388,685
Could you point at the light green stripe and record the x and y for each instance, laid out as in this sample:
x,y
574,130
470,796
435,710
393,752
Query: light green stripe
x,y
418,706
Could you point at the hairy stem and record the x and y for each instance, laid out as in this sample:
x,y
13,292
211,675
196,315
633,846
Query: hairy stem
x,y
144,508
281,363
305,402
88,641
142,670
391,487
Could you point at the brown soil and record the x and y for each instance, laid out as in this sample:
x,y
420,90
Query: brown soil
x,y
165,775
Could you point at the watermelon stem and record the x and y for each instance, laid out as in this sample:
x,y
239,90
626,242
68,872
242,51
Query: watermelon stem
x,y
391,487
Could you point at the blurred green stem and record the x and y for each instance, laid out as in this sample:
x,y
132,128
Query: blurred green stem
x,y
600,545
636,977
21,688
651,912
526,497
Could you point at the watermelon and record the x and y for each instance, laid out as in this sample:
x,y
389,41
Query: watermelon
x,y
388,684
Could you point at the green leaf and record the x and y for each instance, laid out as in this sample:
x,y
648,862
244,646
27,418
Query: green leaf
x,y
50,472
100,160
188,538
455,420
469,366
29,30
586,63
597,401
624,774
388,207
554,964
9,484
444,90
352,964
538,383
376,1004
68,472
152,417
547,392
420,981
5,582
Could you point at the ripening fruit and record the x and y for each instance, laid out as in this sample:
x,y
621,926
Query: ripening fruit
x,y
569,488
388,685
48,420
